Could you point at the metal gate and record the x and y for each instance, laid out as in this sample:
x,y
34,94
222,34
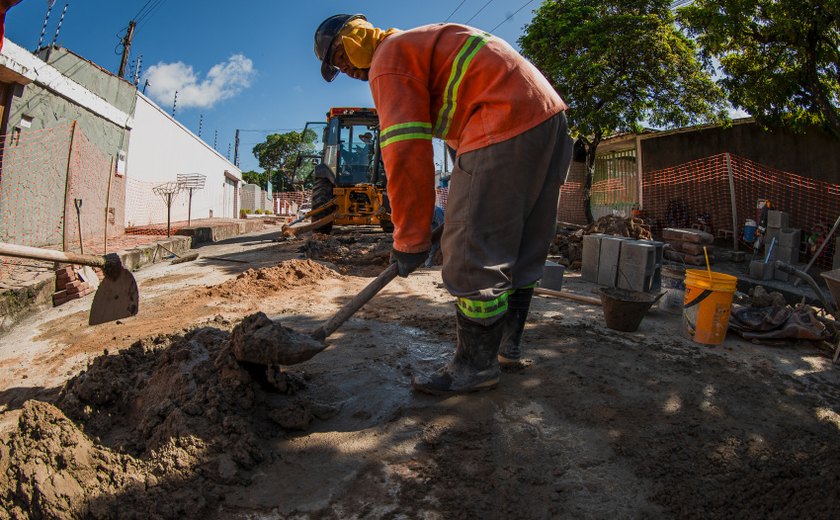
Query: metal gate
x,y
615,185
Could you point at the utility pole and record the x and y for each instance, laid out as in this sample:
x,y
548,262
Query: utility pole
x,y
236,149
215,140
200,123
129,35
174,102
146,84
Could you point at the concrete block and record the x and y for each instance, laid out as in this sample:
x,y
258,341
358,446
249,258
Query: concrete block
x,y
789,237
769,234
590,257
761,271
608,260
636,265
687,235
656,280
777,219
789,255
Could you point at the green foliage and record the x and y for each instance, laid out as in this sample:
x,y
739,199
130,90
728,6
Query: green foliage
x,y
252,177
247,211
278,154
619,64
781,58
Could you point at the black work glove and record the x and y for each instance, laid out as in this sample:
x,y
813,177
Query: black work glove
x,y
408,262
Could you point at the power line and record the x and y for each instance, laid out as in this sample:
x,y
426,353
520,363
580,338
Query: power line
x,y
272,130
141,9
455,11
151,12
476,13
511,16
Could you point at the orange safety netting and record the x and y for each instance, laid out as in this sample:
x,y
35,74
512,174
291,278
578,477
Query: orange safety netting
x,y
699,194
46,174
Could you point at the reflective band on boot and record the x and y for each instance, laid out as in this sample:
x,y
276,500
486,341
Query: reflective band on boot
x,y
474,366
484,309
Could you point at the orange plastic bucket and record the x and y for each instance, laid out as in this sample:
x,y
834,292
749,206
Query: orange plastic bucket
x,y
708,302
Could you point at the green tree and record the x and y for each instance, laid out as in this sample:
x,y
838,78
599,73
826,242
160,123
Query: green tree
x,y
277,156
252,177
618,64
781,58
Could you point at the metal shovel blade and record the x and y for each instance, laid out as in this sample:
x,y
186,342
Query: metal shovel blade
x,y
117,297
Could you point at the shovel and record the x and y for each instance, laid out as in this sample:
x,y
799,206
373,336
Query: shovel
x,y
261,341
117,295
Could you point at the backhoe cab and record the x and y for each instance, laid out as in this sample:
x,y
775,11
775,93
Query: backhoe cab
x,y
349,178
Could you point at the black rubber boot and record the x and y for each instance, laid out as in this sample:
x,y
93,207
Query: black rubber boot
x,y
474,366
510,351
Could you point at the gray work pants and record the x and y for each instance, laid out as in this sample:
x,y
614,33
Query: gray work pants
x,y
501,214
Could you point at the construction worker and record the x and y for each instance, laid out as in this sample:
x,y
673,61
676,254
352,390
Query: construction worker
x,y
513,151
5,5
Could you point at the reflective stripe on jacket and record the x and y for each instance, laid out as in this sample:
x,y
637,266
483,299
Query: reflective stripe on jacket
x,y
452,82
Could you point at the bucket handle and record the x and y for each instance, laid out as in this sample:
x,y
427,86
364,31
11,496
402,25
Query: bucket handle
x,y
700,297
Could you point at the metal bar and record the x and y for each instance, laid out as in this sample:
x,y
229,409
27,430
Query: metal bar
x,y
733,202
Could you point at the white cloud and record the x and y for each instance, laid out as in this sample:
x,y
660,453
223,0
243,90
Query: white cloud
x,y
223,81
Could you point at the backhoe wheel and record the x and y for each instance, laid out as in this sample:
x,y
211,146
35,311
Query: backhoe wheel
x,y
322,193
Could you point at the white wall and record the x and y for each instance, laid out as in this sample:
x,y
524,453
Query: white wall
x,y
159,149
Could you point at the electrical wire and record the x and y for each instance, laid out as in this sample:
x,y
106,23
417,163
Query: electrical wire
x,y
477,12
514,14
152,4
455,11
150,13
141,9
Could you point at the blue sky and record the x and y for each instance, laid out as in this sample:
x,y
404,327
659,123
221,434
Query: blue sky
x,y
247,64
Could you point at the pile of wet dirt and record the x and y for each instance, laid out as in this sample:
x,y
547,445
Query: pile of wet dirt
x,y
160,429
260,282
350,252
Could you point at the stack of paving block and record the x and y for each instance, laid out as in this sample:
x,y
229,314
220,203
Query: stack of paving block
x,y
69,285
686,246
622,262
787,243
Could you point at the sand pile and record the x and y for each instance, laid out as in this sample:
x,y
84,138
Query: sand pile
x,y
260,282
160,429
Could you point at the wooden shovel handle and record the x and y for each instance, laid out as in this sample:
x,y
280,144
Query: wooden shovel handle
x,y
364,296
36,253
350,308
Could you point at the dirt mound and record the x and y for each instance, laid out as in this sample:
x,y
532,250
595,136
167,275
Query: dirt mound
x,y
351,252
260,282
158,430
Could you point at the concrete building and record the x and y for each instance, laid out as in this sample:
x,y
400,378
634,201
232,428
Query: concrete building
x,y
161,148
65,128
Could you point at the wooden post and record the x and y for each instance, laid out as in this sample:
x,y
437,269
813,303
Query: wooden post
x,y
67,179
733,202
640,173
107,203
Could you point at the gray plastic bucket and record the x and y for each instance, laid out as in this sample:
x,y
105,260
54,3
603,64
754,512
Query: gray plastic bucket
x,y
553,276
673,283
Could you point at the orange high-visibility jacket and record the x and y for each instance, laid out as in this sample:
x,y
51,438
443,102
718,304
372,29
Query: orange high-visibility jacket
x,y
452,82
